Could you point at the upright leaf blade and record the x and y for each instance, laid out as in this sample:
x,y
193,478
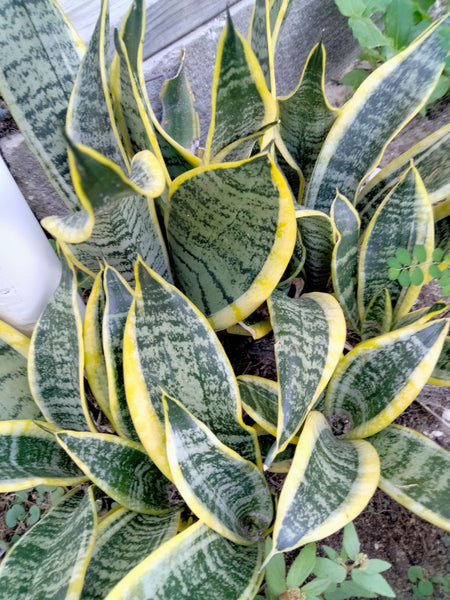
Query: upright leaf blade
x,y
124,539
318,237
56,358
349,153
260,40
330,482
236,115
441,372
378,317
415,472
228,493
37,39
229,255
379,378
30,456
16,401
197,563
260,400
51,559
309,341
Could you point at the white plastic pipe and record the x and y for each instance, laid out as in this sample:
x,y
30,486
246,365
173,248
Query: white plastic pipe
x,y
29,268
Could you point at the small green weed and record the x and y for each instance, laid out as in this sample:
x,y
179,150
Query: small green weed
x,y
411,270
424,586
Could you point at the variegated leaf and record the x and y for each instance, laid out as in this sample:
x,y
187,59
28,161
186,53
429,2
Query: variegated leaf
x,y
441,372
306,116
56,358
260,39
225,491
404,219
169,345
442,234
118,299
421,314
378,318
415,471
429,158
260,400
120,468
329,484
344,262
137,121
282,462
37,38
279,11
309,341
379,378
241,102
94,359
197,563
179,118
253,326
90,117
318,237
229,254
16,401
50,560
124,539
30,456
385,102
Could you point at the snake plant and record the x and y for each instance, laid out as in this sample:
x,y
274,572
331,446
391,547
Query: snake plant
x,y
137,409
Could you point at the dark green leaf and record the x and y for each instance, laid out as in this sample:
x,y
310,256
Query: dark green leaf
x,y
404,278
355,78
15,514
403,256
34,514
437,254
425,588
415,573
417,276
393,262
419,253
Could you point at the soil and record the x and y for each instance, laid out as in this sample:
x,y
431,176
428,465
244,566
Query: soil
x,y
386,530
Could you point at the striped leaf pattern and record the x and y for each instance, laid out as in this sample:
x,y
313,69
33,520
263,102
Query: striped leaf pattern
x,y
16,401
260,400
318,237
260,40
138,124
344,262
179,118
421,314
404,219
241,102
197,563
169,346
279,11
124,539
56,358
225,491
90,118
378,318
120,468
94,359
415,471
306,116
379,378
429,158
35,37
253,326
50,560
441,372
229,253
30,456
385,102
117,306
309,341
442,234
329,484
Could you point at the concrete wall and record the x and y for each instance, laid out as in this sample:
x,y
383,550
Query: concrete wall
x,y
194,25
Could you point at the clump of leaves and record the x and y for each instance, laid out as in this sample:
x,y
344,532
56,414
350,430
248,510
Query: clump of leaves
x,y
413,269
345,574
424,586
384,28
